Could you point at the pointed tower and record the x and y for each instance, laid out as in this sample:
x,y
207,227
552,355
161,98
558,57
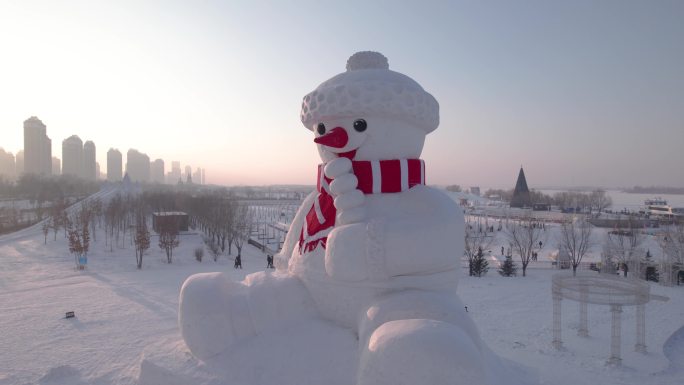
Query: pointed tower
x,y
521,194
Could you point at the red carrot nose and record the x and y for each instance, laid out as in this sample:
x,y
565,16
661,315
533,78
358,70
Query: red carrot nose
x,y
337,138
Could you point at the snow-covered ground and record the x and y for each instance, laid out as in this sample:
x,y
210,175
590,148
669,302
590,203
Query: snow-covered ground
x,y
125,330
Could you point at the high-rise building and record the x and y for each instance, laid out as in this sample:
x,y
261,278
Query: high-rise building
x,y
98,175
197,176
174,176
204,176
72,156
137,166
157,171
89,168
114,165
37,148
188,174
56,166
19,163
7,165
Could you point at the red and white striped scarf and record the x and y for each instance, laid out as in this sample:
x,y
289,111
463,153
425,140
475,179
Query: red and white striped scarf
x,y
374,176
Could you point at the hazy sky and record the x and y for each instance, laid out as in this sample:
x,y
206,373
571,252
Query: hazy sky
x,y
578,92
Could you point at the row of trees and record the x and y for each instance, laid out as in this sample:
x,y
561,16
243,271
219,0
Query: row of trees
x,y
44,195
595,201
119,217
623,248
224,221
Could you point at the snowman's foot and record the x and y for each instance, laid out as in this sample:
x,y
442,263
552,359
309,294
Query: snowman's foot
x,y
421,351
213,314
216,312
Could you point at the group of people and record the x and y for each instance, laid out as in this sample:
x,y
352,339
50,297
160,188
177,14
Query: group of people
x,y
533,257
269,262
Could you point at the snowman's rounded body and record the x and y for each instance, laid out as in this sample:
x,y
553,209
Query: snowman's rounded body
x,y
425,225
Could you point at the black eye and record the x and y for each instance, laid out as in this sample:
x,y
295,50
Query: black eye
x,y
360,125
321,128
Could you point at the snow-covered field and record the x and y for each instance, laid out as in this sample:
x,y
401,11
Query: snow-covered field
x,y
125,330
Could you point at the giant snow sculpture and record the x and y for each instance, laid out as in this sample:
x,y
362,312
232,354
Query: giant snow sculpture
x,y
373,249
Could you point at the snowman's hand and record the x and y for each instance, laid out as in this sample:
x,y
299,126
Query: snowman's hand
x,y
343,184
337,167
349,201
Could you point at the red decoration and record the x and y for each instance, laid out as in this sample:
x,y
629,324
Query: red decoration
x,y
375,177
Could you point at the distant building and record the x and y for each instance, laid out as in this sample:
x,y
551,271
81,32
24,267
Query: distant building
x,y
56,166
137,166
176,219
37,148
475,190
97,171
521,194
174,176
157,171
19,163
114,165
188,174
7,165
89,163
204,176
72,156
541,207
197,176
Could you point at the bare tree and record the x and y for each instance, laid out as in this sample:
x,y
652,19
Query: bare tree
x,y
475,241
57,219
624,247
46,229
672,244
214,249
225,218
600,200
575,238
168,237
65,220
525,236
241,228
79,236
141,239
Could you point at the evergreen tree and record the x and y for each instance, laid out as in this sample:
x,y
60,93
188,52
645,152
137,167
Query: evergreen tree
x,y
480,265
508,268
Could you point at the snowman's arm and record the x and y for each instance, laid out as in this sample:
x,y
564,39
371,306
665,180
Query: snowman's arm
x,y
292,238
424,241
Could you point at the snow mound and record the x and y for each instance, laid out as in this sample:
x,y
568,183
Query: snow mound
x,y
64,374
304,355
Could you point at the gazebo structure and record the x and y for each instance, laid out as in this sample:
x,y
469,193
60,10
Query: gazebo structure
x,y
608,290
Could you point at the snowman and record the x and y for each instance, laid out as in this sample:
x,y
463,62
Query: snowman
x,y
373,249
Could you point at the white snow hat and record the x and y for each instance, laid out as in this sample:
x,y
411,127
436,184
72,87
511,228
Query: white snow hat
x,y
368,88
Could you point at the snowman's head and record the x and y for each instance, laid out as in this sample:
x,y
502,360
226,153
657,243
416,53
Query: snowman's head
x,y
369,112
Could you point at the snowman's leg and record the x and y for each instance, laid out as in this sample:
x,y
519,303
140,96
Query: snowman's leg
x,y
421,351
216,312
415,337
417,304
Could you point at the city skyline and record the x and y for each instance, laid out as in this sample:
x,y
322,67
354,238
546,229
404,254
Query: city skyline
x,y
79,159
579,93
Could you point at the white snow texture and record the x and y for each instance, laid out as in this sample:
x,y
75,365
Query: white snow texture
x,y
388,272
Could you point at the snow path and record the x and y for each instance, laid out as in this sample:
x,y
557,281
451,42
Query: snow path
x,y
120,311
